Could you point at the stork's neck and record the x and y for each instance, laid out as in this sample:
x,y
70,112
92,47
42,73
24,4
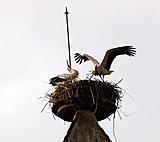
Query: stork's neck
x,y
74,72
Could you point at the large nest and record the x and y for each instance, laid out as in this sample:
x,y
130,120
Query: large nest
x,y
100,97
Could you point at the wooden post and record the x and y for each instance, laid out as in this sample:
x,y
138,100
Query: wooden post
x,y
85,128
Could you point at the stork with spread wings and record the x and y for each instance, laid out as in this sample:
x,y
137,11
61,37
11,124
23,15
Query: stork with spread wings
x,y
104,68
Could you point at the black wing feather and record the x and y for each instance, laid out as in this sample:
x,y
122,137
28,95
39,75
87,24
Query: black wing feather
x,y
79,58
112,53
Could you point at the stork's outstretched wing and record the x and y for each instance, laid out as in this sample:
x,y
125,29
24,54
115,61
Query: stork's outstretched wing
x,y
79,57
112,53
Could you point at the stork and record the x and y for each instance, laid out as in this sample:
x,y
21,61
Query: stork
x,y
104,68
62,78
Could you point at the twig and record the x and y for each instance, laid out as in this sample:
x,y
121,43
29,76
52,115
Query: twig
x,y
96,100
45,82
53,116
119,115
126,114
92,95
118,82
128,94
44,107
114,127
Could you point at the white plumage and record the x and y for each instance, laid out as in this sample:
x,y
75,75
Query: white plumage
x,y
104,68
62,78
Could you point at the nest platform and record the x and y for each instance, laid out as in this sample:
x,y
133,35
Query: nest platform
x,y
100,97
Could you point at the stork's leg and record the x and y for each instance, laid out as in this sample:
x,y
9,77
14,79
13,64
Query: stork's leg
x,y
91,76
101,77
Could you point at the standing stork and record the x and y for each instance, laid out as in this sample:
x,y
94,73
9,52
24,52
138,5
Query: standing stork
x,y
104,68
62,78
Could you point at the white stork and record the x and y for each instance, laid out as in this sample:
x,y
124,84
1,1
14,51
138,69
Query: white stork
x,y
62,78
104,68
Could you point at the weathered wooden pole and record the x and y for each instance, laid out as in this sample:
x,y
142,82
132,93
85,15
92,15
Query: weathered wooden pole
x,y
85,128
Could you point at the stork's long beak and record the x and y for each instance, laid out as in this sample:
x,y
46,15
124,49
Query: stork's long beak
x,y
68,66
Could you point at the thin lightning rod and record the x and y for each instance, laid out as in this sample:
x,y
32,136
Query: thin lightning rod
x,y
68,36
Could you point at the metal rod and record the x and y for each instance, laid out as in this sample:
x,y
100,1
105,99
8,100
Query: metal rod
x,y
68,36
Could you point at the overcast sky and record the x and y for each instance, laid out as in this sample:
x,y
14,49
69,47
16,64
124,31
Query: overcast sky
x,y
33,45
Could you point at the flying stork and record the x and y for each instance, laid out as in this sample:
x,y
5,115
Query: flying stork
x,y
62,78
104,68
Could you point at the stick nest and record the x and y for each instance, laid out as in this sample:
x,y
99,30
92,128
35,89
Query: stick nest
x,y
102,98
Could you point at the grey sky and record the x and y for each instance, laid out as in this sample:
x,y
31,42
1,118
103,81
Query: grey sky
x,y
34,48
